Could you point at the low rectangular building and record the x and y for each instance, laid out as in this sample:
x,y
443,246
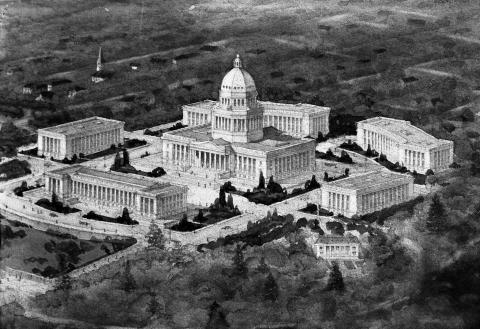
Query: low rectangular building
x,y
406,144
337,247
366,193
108,192
87,136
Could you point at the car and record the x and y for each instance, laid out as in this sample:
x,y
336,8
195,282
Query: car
x,y
53,214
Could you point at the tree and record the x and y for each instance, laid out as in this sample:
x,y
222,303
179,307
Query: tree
x,y
216,317
345,158
467,115
274,187
126,216
270,288
335,281
261,181
74,158
325,177
437,217
320,137
347,172
155,237
159,171
126,158
239,264
129,283
262,266
313,183
221,198
230,204
117,163
54,198
65,283
431,180
153,305
369,152
200,218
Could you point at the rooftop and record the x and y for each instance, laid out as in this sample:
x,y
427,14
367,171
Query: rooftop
x,y
144,184
299,107
206,104
403,130
273,139
370,179
84,126
333,239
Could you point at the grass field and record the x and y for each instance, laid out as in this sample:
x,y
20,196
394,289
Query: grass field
x,y
46,254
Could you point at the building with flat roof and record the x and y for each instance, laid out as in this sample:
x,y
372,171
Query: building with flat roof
x,y
337,247
85,137
108,192
366,193
406,144
230,138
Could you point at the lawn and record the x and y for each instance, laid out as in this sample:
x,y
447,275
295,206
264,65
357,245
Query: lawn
x,y
48,254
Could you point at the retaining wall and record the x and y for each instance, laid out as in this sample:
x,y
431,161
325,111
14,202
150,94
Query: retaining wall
x,y
22,210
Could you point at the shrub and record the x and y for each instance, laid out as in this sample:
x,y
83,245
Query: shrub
x,y
448,126
336,228
311,208
158,172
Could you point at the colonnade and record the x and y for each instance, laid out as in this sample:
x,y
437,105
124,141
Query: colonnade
x,y
246,166
103,194
284,123
51,145
205,159
93,142
290,164
196,118
384,198
379,142
53,185
441,158
319,124
337,251
414,159
237,125
172,204
338,202
182,154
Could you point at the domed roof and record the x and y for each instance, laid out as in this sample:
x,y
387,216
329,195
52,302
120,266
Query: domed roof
x,y
238,80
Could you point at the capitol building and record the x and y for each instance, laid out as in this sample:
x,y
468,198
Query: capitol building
x,y
239,136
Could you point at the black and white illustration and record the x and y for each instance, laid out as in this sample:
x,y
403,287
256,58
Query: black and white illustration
x,y
243,164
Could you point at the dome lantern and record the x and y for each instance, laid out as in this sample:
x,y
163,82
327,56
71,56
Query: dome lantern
x,y
237,62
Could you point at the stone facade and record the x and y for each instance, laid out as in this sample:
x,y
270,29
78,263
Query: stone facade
x,y
233,137
85,136
366,193
110,192
297,120
337,247
406,144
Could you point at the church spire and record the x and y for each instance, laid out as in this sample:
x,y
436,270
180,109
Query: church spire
x,y
100,60
237,62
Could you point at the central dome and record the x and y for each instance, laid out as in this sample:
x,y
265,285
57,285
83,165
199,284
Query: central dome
x,y
238,79
238,87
